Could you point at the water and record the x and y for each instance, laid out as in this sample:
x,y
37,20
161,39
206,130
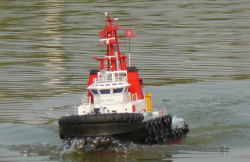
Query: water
x,y
193,56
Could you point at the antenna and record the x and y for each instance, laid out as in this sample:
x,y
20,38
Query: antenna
x,y
129,52
129,33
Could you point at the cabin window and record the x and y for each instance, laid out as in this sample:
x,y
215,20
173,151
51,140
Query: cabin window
x,y
94,91
117,90
105,91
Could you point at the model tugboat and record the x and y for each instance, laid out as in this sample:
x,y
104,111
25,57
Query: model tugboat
x,y
116,105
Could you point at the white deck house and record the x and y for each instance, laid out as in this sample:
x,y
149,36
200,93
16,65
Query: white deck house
x,y
111,95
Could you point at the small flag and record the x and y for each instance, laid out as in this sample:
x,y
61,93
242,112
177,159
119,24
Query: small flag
x,y
103,34
129,33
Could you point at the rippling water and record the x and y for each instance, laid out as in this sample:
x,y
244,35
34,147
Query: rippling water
x,y
193,56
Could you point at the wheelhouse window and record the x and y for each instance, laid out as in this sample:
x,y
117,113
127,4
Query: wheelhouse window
x,y
94,91
117,90
105,91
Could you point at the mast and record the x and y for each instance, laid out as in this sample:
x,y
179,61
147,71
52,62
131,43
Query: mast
x,y
113,60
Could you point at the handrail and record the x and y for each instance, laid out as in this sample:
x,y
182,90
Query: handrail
x,y
86,100
109,80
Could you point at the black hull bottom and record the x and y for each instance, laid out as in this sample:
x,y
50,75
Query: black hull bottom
x,y
157,131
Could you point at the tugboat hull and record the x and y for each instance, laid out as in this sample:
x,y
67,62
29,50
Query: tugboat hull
x,y
99,129
157,131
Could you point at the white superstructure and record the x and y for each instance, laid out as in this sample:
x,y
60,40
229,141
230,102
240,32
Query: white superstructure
x,y
111,95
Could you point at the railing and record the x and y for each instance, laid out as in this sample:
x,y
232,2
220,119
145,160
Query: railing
x,y
134,97
97,99
109,79
86,100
